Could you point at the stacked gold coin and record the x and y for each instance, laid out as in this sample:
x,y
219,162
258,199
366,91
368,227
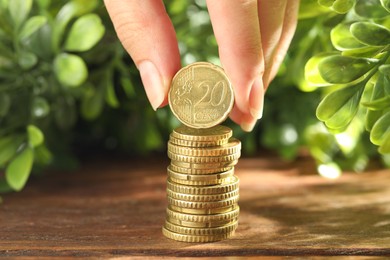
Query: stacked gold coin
x,y
201,187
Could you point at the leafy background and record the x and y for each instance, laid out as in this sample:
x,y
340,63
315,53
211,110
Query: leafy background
x,y
68,89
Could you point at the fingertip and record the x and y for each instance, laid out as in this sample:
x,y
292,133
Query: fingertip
x,y
153,83
256,98
248,123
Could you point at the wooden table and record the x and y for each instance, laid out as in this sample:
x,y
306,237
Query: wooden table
x,y
116,208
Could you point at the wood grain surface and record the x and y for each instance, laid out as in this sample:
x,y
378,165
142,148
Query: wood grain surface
x,y
115,208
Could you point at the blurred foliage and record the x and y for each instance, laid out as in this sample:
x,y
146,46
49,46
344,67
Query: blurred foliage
x,y
68,88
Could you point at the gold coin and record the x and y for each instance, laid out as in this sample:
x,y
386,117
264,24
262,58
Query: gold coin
x,y
203,204
204,159
212,134
195,239
210,197
202,183
206,178
188,143
204,190
199,171
201,231
203,166
232,147
203,211
228,216
201,224
201,95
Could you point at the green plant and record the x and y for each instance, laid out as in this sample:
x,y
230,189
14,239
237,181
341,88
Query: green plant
x,y
41,73
355,76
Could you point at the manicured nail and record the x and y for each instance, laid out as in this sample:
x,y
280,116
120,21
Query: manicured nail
x,y
153,83
256,98
248,126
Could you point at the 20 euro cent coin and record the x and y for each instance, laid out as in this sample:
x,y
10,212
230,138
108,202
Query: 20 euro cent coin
x,y
201,95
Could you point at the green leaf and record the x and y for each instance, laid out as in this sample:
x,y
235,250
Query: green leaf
x,y
42,155
343,6
327,3
111,97
40,107
70,69
5,104
312,74
35,135
371,118
364,52
92,103
8,147
385,69
70,10
380,129
27,60
128,87
379,104
19,9
380,89
386,4
310,9
338,108
85,33
40,42
19,169
370,33
177,7
338,69
43,4
31,26
342,38
385,146
370,9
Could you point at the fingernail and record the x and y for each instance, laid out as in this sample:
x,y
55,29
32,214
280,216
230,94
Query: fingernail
x,y
153,83
256,98
248,126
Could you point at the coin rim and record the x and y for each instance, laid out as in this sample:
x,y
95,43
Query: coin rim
x,y
197,231
195,239
204,190
233,146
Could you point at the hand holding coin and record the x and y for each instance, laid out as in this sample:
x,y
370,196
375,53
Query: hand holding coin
x,y
253,37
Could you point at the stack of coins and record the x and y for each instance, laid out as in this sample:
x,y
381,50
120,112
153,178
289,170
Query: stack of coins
x,y
201,187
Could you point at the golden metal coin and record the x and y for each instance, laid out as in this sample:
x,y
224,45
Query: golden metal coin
x,y
203,204
203,166
201,224
232,147
228,216
188,143
212,134
204,159
199,171
210,197
198,177
205,210
195,239
201,231
202,183
204,190
201,95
